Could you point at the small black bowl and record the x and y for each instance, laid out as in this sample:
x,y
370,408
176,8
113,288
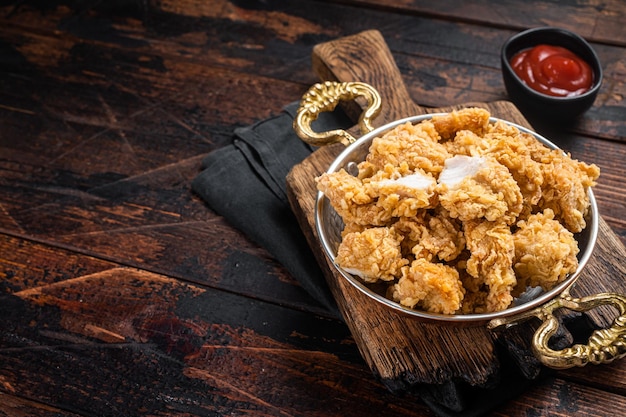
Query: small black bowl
x,y
557,109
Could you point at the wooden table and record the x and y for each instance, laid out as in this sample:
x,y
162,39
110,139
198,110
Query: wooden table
x,y
121,293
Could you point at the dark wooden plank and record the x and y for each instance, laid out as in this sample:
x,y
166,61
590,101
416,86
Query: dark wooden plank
x,y
11,405
150,221
25,265
611,377
228,261
555,397
597,21
444,62
129,342
99,147
105,87
49,326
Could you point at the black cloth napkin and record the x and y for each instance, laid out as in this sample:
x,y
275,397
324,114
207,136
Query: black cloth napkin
x,y
246,183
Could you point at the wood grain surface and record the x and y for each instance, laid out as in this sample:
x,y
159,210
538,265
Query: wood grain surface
x,y
123,294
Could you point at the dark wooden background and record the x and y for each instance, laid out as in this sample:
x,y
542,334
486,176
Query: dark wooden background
x,y
121,293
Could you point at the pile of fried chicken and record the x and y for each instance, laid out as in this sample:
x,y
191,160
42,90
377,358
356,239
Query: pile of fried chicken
x,y
459,215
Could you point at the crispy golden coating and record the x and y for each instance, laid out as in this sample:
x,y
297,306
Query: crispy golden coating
x,y
492,250
432,235
479,187
508,146
415,145
545,251
376,200
472,119
350,198
434,287
565,183
564,189
402,192
460,215
373,254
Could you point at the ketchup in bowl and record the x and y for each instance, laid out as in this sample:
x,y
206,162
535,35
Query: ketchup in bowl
x,y
553,70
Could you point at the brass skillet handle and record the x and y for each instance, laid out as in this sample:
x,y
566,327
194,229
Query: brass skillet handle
x,y
324,97
604,346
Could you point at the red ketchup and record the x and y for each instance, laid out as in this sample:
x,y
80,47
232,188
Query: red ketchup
x,y
553,70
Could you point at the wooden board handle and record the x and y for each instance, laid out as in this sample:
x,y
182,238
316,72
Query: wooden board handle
x,y
366,57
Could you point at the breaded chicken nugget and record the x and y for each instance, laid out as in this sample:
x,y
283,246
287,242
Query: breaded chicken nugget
x,y
434,235
545,252
474,119
565,183
492,250
504,143
434,287
401,192
512,152
408,143
350,198
564,188
479,187
373,254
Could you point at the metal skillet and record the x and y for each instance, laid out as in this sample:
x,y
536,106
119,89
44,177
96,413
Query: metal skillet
x,y
603,346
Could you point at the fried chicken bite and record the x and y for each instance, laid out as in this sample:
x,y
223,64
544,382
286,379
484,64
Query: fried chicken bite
x,y
413,229
353,227
392,192
564,188
468,143
473,119
545,252
492,250
373,254
416,145
434,287
565,183
479,187
511,152
476,292
401,192
351,199
433,235
505,144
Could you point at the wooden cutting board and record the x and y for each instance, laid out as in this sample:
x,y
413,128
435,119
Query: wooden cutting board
x,y
402,351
